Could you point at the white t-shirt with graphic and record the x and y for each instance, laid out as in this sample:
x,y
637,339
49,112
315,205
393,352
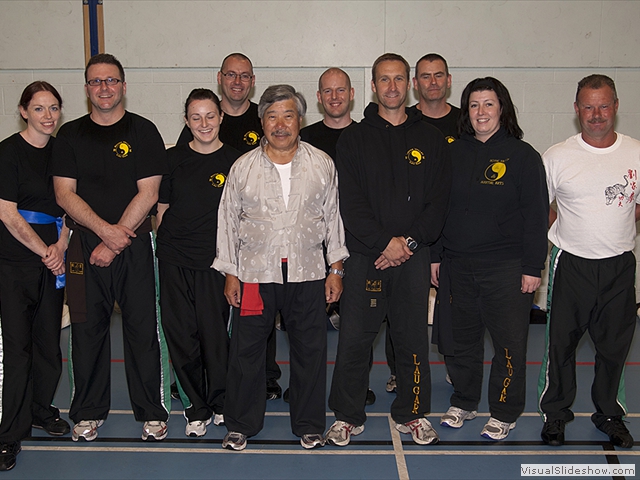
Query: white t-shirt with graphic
x,y
596,190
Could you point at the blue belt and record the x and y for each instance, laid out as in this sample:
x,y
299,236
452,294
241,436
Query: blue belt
x,y
39,218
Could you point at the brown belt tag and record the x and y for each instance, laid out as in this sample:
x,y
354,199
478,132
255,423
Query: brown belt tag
x,y
373,286
76,268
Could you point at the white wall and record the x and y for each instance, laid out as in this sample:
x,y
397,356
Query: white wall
x,y
539,49
188,33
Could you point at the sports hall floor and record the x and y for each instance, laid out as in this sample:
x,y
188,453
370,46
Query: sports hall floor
x,y
379,453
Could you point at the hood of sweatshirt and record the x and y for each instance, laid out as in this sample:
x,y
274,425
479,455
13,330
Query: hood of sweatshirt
x,y
500,136
372,117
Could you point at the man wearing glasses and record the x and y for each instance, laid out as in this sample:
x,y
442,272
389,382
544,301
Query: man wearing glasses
x,y
241,129
107,169
240,126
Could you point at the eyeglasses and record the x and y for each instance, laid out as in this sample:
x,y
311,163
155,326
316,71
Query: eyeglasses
x,y
95,82
244,77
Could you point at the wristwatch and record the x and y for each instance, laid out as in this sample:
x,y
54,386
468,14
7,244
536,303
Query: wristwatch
x,y
338,272
411,243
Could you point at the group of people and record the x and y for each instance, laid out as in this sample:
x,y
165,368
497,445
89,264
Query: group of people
x,y
256,213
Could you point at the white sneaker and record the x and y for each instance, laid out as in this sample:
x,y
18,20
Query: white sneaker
x,y
339,434
86,429
154,430
234,441
455,417
421,431
312,440
391,384
197,428
497,430
218,419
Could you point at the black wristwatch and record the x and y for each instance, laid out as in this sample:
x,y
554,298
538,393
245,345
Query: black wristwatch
x,y
411,243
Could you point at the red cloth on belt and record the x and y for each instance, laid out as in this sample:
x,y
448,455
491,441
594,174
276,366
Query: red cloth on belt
x,y
251,303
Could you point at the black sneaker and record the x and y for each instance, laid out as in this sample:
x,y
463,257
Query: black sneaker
x,y
273,389
371,397
618,433
285,396
553,433
175,394
56,426
8,454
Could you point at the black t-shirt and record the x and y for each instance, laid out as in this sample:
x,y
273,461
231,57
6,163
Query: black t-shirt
x,y
322,137
107,161
242,132
193,188
448,124
25,180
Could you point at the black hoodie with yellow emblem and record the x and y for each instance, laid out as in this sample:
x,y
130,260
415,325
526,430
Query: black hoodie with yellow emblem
x,y
499,202
393,181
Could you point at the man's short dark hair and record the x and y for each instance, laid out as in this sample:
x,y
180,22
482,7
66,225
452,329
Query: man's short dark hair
x,y
333,70
104,58
386,57
595,82
238,55
432,57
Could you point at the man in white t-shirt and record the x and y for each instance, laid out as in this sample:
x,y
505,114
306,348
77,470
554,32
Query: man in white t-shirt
x,y
593,177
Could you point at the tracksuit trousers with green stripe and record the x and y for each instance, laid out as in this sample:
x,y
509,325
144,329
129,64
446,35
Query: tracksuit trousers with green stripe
x,y
131,281
598,296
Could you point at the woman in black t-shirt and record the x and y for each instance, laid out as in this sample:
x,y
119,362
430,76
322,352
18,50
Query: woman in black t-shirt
x,y
194,308
33,242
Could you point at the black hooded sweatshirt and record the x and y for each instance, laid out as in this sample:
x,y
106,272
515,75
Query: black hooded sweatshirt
x,y
393,181
499,205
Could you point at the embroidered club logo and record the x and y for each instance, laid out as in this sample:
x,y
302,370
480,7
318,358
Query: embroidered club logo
x,y
251,138
122,149
217,180
414,156
450,139
495,171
